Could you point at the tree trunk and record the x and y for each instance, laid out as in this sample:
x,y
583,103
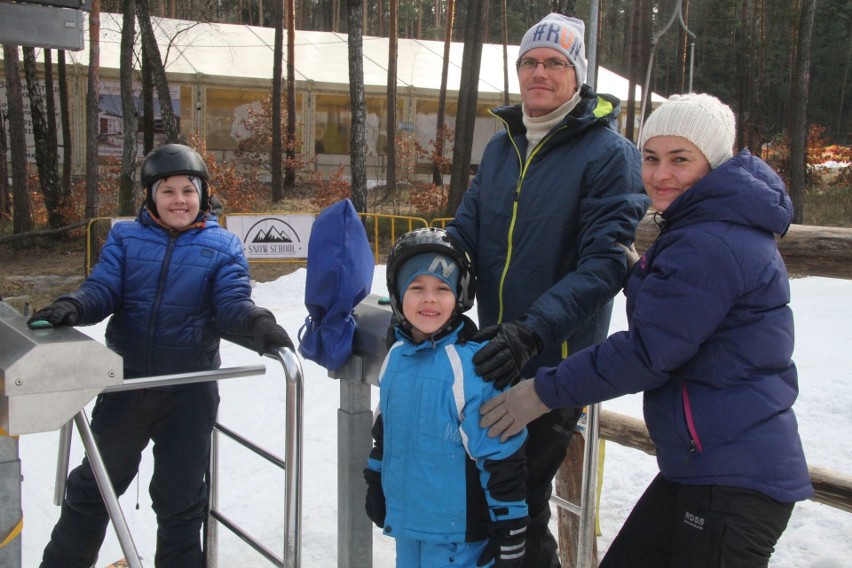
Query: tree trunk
x,y
390,148
93,80
5,195
45,155
149,41
22,214
65,122
632,70
359,113
799,114
277,153
468,96
129,119
441,122
505,26
50,118
290,169
147,98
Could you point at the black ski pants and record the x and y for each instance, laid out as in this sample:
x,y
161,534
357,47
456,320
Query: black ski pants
x,y
547,444
179,421
700,526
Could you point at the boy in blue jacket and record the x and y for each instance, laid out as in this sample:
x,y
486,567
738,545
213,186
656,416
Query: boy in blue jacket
x,y
173,281
447,493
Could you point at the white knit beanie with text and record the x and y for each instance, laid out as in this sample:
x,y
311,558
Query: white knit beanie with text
x,y
702,119
563,34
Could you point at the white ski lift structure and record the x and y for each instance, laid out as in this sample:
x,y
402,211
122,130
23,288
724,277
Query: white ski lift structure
x,y
678,15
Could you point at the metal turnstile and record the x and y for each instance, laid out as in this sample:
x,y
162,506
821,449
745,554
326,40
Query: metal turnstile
x,y
47,377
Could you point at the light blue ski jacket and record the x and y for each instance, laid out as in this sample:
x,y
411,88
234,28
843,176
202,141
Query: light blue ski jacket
x,y
443,478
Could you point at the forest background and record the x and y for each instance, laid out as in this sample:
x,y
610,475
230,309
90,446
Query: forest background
x,y
783,66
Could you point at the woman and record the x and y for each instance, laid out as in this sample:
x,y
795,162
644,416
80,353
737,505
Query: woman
x,y
710,341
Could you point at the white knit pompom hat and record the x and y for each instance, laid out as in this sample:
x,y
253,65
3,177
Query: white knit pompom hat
x,y
702,119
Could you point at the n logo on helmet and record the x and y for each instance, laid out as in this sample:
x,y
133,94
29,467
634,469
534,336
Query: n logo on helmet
x,y
446,265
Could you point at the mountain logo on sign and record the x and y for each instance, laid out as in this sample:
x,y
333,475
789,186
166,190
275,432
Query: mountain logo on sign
x,y
271,231
271,235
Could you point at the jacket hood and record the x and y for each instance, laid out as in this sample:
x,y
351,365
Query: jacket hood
x,y
743,190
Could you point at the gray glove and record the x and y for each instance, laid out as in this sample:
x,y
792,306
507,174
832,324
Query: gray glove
x,y
630,254
508,413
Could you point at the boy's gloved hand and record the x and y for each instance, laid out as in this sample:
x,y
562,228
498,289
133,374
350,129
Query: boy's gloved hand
x,y
268,335
508,413
375,504
61,312
506,544
512,345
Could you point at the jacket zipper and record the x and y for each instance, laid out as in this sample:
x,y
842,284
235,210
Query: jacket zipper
x,y
155,313
694,441
518,186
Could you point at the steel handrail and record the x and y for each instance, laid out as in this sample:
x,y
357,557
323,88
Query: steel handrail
x,y
125,539
291,464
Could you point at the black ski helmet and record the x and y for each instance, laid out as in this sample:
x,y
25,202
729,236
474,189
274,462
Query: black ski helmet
x,y
430,239
173,160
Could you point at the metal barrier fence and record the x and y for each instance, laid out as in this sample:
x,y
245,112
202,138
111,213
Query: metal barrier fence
x,y
291,464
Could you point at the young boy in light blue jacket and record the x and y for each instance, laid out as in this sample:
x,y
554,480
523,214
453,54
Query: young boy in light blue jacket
x,y
447,493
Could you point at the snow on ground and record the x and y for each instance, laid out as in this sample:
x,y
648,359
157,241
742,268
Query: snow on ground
x,y
818,536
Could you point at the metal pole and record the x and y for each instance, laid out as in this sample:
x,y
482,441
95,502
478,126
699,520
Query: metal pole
x,y
107,491
62,462
187,378
293,459
211,549
11,514
354,442
585,546
592,45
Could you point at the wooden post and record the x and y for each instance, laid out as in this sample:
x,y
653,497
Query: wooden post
x,y
569,481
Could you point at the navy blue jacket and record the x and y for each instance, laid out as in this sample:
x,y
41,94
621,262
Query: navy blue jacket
x,y
710,340
170,294
542,230
443,478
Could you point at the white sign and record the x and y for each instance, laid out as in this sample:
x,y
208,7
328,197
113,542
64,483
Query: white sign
x,y
272,236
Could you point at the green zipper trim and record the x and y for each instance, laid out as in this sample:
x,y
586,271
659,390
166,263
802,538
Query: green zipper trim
x,y
518,186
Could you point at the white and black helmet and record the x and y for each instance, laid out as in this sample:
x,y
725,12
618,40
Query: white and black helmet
x,y
173,160
430,239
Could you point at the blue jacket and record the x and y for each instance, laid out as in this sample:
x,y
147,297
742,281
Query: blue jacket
x,y
443,478
710,340
171,294
542,230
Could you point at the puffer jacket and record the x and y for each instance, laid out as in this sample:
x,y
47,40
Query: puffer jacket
x,y
443,478
710,340
542,230
170,293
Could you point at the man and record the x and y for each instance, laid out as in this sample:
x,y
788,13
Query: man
x,y
555,194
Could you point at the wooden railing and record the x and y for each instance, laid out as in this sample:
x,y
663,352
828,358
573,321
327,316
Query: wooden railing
x,y
807,249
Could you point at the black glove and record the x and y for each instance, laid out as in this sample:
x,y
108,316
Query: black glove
x,y
267,335
60,312
375,504
506,544
501,361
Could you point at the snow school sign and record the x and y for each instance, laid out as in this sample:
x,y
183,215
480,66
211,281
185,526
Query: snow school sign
x,y
272,236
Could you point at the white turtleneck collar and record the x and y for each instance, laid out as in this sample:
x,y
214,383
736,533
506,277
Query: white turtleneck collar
x,y
538,126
